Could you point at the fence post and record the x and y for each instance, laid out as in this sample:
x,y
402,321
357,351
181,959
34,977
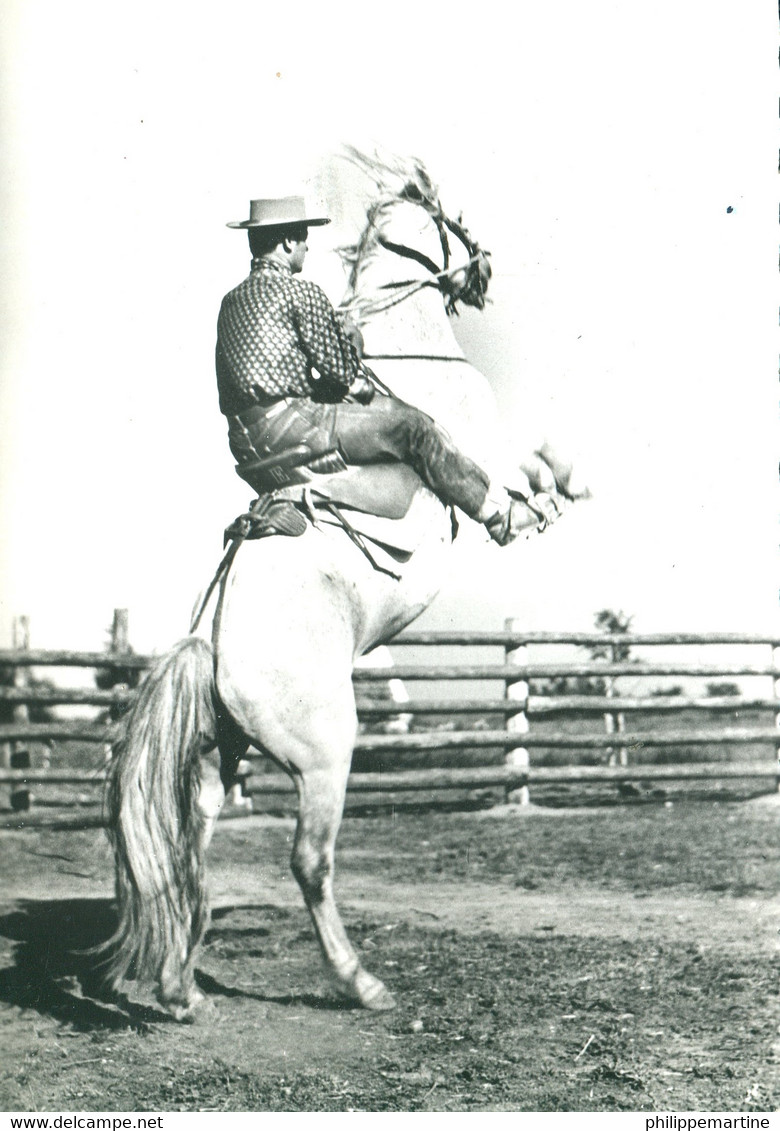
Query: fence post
x,y
776,688
5,750
120,644
120,631
517,722
19,758
615,724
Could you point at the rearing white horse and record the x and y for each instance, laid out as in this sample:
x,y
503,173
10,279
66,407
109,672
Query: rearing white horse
x,y
292,616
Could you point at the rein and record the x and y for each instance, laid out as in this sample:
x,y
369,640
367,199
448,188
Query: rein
x,y
413,357
257,511
404,290
410,253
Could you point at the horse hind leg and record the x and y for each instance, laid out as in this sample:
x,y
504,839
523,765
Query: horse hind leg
x,y
178,989
287,682
211,798
312,739
233,745
321,802
218,773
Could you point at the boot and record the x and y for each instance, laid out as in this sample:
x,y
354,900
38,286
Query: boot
x,y
519,517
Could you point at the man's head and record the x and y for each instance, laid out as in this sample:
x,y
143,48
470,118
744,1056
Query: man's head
x,y
288,240
280,225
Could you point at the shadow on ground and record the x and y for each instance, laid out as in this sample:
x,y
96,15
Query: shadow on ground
x,y
56,971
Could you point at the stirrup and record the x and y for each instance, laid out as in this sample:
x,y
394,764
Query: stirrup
x,y
267,516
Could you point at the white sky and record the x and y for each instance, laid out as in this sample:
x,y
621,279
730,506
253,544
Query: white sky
x,y
594,148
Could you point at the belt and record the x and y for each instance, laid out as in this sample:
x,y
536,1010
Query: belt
x,y
264,410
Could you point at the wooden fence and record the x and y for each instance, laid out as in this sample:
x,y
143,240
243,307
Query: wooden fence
x,y
511,713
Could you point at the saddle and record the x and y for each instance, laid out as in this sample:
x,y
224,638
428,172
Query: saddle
x,y
384,489
293,483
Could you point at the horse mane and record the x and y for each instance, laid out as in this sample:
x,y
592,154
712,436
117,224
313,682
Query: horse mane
x,y
397,179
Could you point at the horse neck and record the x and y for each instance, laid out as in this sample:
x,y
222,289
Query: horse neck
x,y
416,324
416,327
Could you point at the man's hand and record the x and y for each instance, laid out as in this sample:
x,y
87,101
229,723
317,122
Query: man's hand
x,y
352,332
362,390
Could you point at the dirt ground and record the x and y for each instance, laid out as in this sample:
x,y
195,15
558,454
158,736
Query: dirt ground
x,y
620,959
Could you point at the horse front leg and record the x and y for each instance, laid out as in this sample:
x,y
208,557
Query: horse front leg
x,y
321,803
566,479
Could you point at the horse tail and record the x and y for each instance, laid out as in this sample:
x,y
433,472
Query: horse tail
x,y
156,826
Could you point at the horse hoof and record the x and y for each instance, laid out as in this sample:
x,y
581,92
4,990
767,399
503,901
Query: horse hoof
x,y
367,991
196,1008
381,1001
196,1014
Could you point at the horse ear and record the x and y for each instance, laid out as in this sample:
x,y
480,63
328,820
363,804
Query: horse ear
x,y
412,192
428,188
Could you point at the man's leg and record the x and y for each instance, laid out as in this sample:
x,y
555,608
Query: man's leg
x,y
386,430
389,430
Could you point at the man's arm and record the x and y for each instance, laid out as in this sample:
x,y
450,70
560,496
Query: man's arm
x,y
326,345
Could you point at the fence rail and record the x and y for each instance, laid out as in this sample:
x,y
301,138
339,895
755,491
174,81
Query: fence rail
x,y
483,777
444,740
478,671
534,705
524,717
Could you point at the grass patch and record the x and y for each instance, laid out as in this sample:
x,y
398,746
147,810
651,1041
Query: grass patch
x,y
540,1025
729,849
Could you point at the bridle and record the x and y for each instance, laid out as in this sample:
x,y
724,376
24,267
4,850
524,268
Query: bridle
x,y
466,282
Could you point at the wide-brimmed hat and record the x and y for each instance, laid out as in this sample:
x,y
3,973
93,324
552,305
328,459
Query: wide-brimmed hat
x,y
279,212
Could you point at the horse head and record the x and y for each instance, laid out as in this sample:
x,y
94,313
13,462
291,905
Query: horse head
x,y
457,280
410,248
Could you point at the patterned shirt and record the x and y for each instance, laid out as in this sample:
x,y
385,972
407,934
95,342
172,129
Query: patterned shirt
x,y
273,331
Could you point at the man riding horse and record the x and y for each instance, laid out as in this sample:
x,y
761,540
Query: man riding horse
x,y
289,374
275,670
